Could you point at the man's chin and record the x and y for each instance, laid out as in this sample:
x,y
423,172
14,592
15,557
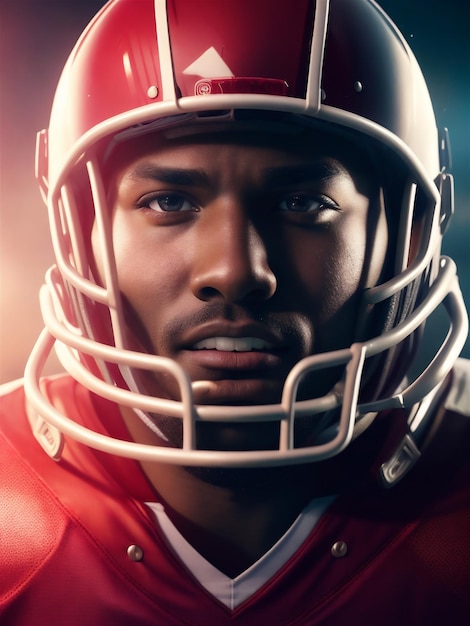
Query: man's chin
x,y
239,436
225,437
237,392
243,437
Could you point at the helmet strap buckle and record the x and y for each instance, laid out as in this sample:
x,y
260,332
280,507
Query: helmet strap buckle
x,y
400,463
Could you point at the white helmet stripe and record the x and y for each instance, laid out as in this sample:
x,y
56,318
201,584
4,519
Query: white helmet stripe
x,y
313,96
164,51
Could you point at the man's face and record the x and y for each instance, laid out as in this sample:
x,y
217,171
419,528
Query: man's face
x,y
239,254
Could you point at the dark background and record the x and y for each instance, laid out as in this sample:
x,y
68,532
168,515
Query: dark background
x,y
35,39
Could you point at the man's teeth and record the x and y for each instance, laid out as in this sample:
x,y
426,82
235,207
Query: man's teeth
x,y
233,344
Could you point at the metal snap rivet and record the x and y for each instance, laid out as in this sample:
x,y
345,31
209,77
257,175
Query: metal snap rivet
x,y
135,553
339,549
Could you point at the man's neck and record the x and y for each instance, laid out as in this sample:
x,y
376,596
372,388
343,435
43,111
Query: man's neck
x,y
226,511
231,517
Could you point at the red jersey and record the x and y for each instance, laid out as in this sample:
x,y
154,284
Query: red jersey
x,y
79,546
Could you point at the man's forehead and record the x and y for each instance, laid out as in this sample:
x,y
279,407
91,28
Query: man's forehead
x,y
310,145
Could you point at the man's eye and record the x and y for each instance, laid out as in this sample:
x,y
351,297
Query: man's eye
x,y
170,203
300,203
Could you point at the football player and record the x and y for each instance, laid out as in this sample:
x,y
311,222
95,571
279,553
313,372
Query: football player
x,y
247,201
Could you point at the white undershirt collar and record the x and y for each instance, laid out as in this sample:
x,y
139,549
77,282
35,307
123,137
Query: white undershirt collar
x,y
233,591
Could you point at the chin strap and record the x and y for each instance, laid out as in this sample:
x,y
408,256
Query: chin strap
x,y
407,453
400,463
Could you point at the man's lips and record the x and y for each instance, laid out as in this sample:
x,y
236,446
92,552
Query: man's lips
x,y
236,354
234,361
233,347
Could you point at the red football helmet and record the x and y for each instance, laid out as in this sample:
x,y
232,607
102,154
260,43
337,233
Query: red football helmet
x,y
145,66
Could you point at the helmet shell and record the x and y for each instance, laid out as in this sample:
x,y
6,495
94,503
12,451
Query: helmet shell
x,y
143,60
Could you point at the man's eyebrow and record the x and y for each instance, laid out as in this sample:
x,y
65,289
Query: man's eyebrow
x,y
320,171
170,175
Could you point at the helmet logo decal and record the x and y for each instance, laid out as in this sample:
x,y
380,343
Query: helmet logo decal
x,y
209,65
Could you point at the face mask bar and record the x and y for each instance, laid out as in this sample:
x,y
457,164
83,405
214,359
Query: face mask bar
x,y
443,290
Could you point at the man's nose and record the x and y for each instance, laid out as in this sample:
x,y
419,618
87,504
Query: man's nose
x,y
231,258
